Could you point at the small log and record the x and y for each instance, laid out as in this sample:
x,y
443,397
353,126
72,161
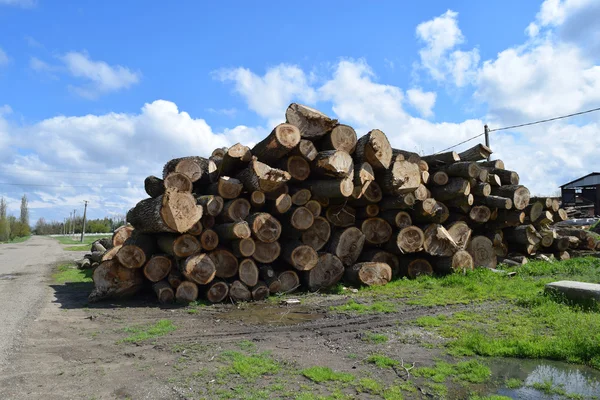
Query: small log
x,y
267,275
399,219
259,176
193,167
415,267
226,264
209,240
481,189
175,278
211,205
363,176
158,267
95,256
425,177
454,188
397,203
314,207
518,194
111,253
198,268
332,163
226,187
462,202
233,231
436,160
498,164
328,271
171,212
208,221
136,251
311,123
178,181
398,154
239,292
164,292
369,211
506,177
547,238
318,234
186,292
410,239
384,257
296,166
281,204
329,188
341,137
482,251
376,230
279,143
368,273
219,152
459,262
560,215
560,244
401,178
248,272
283,189
494,180
372,194
214,163
196,229
298,255
430,211
524,234
438,241
347,245
266,252
305,149
502,203
439,178
460,233
243,248
257,199
84,263
421,193
178,245
121,234
236,210
476,153
463,169
508,218
260,291
235,159
264,227
154,186
563,255
375,149
289,281
342,216
296,221
112,280
300,196
534,210
480,214
217,291
483,175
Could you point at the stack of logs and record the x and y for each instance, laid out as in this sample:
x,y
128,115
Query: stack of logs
x,y
311,205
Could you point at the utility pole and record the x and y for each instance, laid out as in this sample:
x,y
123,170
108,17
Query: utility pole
x,y
83,227
68,231
486,131
73,230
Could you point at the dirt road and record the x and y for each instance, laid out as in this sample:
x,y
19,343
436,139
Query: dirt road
x,y
24,268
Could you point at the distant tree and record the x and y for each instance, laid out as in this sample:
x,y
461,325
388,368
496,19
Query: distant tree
x,y
4,223
24,211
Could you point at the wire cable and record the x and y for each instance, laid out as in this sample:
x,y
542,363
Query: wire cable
x,y
70,186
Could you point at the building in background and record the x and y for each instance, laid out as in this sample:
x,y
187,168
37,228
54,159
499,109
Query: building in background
x,y
583,194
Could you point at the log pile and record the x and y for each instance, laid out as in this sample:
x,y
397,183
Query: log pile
x,y
312,205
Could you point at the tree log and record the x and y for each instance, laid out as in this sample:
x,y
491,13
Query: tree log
x,y
259,176
363,176
265,227
376,230
369,211
368,273
329,187
178,245
463,169
459,262
397,203
454,188
494,180
257,199
248,272
196,229
476,153
209,240
260,291
175,278
296,166
266,252
341,216
300,196
158,267
398,219
199,268
383,257
436,160
111,253
347,245
439,178
430,211
267,274
506,177
460,233
239,292
375,149
178,181
226,264
401,178
524,234
481,189
186,292
236,210
498,164
318,234
534,210
279,143
171,212
311,123
342,137
415,267
518,194
281,204
217,291
233,231
409,240
502,203
193,167
289,281
510,218
226,187
480,214
235,159
305,149
243,248
112,280
314,207
211,205
295,222
438,241
463,202
121,234
164,292
154,186
482,251
560,244
328,271
298,255
136,251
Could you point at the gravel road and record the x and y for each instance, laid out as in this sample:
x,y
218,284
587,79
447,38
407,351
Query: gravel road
x,y
24,269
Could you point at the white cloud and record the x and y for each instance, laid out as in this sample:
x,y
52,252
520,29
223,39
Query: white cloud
x,y
441,36
267,95
40,66
3,58
422,101
18,3
229,112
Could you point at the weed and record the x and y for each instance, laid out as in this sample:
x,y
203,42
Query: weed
x,y
492,397
382,361
70,273
360,308
369,385
250,367
83,247
88,240
393,393
547,387
246,345
513,383
377,338
139,334
471,371
325,374
438,389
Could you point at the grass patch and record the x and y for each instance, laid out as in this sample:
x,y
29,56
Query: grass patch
x,y
141,333
513,383
382,361
547,387
250,367
76,239
377,338
369,385
471,371
70,273
19,239
492,397
247,345
83,247
360,308
326,374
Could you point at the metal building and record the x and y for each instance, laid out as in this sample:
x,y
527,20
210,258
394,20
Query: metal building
x,y
583,193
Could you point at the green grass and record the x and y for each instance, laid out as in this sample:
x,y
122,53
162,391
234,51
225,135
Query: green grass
x,y
19,239
326,374
86,240
492,397
471,371
363,308
70,273
382,361
369,385
141,333
249,367
376,338
547,387
513,383
84,247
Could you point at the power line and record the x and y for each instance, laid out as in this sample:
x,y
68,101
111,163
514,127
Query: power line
x,y
521,125
72,172
69,186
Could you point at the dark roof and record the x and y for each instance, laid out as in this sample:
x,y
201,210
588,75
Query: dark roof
x,y
578,179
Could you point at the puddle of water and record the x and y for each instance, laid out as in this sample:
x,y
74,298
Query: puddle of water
x,y
573,379
263,314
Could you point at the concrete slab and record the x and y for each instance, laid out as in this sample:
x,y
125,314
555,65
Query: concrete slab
x,y
576,291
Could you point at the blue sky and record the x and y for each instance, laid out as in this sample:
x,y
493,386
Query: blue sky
x,y
86,74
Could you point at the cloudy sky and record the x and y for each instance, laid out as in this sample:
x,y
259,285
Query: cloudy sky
x,y
94,96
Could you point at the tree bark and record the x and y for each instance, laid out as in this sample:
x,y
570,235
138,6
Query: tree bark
x,y
178,245
332,163
112,280
226,264
121,234
300,196
265,227
186,292
494,180
476,153
436,160
314,207
518,194
318,234
341,137
217,291
233,231
248,272
193,167
209,240
164,292
463,202
198,268
508,218
279,143
243,248
136,251
257,199
266,252
459,262
239,292
368,273
305,149
375,149
154,186
482,251
376,230
454,188
298,255
341,216
235,159
330,188
158,267
211,205
347,245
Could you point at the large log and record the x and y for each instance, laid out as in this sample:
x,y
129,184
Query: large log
x,y
415,267
329,188
217,291
376,230
518,194
226,264
212,205
384,257
164,292
259,176
328,271
460,233
265,227
243,247
193,167
368,273
438,241
121,234
375,149
481,189
480,214
112,280
186,292
266,252
235,158
482,251
410,239
440,159
178,181
289,281
248,272
233,231
298,220
268,275
318,234
347,245
341,215
454,188
198,268
236,210
312,124
279,143
154,186
209,240
461,262
171,212
305,149
178,245
400,178
476,153
239,292
136,251
332,163
158,267
342,137
296,166
226,187
298,255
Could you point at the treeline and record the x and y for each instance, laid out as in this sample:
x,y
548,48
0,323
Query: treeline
x,y
12,227
103,225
